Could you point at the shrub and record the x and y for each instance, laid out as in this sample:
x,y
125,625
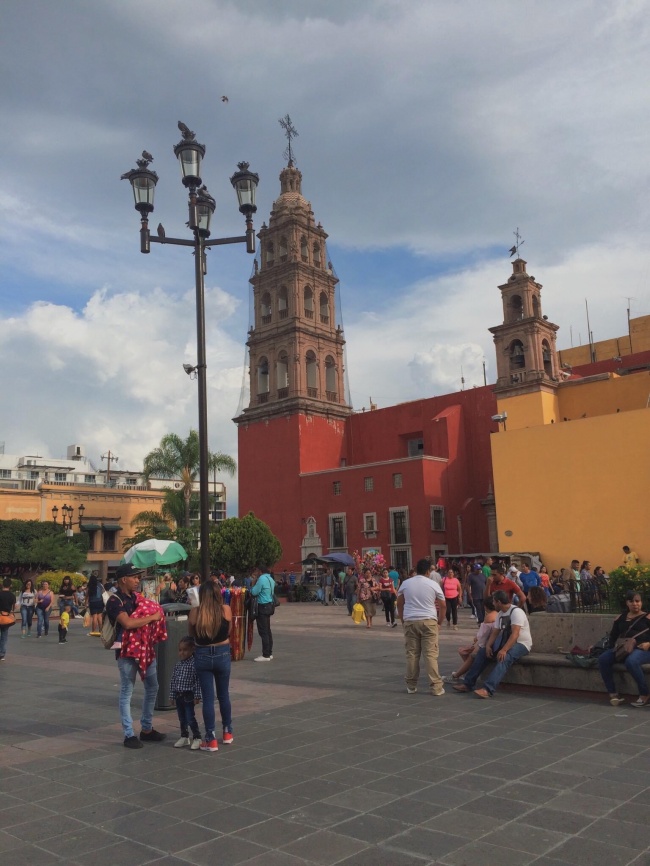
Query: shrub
x,y
56,579
621,580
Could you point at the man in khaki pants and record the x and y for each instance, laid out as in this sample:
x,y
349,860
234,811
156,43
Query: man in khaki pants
x,y
420,606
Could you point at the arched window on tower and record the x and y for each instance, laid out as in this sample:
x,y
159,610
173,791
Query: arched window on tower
x,y
270,253
309,303
536,310
515,308
317,255
283,249
517,357
331,389
312,374
324,308
282,375
304,249
546,357
283,302
262,380
265,308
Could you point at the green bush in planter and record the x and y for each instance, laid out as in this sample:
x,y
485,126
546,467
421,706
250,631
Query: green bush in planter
x,y
56,579
622,579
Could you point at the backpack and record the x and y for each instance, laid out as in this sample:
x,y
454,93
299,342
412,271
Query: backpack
x,y
109,632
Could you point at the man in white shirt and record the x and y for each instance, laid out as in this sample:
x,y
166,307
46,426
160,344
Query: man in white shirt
x,y
420,606
509,640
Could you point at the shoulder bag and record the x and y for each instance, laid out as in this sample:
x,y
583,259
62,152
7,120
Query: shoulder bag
x,y
625,645
7,618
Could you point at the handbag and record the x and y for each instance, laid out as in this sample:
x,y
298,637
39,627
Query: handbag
x,y
626,645
6,619
253,606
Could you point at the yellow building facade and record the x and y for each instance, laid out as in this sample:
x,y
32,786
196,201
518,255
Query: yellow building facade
x,y
571,462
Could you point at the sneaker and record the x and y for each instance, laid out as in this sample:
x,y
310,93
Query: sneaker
x,y
411,691
152,736
455,628
209,746
132,742
438,694
452,678
616,700
183,741
394,625
196,744
263,659
639,702
228,738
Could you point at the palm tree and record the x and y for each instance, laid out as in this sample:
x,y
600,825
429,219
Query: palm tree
x,y
179,459
218,462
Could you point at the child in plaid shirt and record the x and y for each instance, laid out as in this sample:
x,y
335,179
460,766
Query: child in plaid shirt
x,y
186,692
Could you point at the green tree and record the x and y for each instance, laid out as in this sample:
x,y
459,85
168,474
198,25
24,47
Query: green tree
x,y
29,544
178,458
148,524
58,552
239,543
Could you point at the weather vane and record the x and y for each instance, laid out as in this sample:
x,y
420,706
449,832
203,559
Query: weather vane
x,y
291,132
518,242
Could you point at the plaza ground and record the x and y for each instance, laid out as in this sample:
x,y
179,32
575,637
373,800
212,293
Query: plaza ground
x,y
333,763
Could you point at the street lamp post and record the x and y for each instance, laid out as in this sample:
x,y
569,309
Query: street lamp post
x,y
67,513
201,208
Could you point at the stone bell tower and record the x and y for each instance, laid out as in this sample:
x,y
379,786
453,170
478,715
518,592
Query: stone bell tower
x,y
296,344
525,347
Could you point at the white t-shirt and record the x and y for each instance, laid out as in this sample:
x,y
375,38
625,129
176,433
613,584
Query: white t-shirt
x,y
420,595
434,575
517,617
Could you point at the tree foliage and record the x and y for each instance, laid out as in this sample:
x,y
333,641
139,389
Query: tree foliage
x,y
239,543
177,458
32,545
622,579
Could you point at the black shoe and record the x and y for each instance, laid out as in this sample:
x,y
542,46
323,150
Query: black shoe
x,y
152,736
132,743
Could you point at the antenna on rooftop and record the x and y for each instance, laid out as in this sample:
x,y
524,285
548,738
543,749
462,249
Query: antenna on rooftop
x,y
629,328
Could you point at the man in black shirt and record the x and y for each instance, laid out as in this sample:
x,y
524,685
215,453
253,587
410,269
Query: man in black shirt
x,y
7,605
119,609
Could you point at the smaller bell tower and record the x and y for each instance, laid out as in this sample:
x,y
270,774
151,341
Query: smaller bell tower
x,y
525,342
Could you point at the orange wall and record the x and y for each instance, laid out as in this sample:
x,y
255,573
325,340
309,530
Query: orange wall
x,y
575,490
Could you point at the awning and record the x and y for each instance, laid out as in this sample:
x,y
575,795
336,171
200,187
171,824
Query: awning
x,y
111,527
90,527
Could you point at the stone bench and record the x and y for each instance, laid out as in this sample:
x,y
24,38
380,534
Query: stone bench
x,y
554,635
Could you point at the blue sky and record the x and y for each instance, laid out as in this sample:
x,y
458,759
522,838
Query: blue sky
x,y
428,132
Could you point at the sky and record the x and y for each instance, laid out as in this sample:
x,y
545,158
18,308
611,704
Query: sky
x,y
429,132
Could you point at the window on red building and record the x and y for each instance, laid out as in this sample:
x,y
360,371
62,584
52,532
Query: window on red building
x,y
336,488
438,518
369,484
415,447
397,480
338,532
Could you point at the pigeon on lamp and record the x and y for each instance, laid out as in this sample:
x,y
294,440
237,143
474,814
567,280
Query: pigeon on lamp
x,y
146,155
186,131
160,230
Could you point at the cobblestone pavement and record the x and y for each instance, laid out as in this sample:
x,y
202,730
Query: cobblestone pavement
x,y
332,763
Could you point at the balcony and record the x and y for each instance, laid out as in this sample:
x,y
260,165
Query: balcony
x,y
283,393
332,396
283,314
325,320
263,398
266,320
312,392
309,314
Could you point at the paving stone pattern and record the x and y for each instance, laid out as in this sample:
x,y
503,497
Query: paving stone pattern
x,y
333,763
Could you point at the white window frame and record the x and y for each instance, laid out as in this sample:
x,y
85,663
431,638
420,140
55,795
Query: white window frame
x,y
439,510
368,484
370,533
339,515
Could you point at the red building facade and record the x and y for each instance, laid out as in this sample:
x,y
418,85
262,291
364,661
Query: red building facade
x,y
410,480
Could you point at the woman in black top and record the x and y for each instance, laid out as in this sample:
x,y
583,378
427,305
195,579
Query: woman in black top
x,y
209,625
95,605
67,596
634,623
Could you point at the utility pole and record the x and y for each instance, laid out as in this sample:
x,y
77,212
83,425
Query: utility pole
x,y
110,458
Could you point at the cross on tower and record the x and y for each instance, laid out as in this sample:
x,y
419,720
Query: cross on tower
x,y
291,132
518,242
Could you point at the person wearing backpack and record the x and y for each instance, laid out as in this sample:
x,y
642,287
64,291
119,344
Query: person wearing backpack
x,y
119,611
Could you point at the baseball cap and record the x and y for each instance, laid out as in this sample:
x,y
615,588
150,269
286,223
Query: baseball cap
x,y
477,567
128,570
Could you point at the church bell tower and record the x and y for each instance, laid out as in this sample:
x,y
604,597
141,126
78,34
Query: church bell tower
x,y
295,344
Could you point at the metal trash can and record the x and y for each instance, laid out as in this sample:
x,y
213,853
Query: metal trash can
x,y
167,651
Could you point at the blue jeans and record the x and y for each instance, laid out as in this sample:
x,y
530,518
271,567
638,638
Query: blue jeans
x,y
43,626
73,607
4,634
499,670
633,663
26,616
212,665
128,671
186,715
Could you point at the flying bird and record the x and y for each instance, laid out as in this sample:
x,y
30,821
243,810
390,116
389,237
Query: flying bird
x,y
146,155
225,99
513,250
161,230
187,132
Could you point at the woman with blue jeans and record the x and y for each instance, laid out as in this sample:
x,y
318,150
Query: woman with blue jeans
x,y
44,601
209,625
635,625
27,602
